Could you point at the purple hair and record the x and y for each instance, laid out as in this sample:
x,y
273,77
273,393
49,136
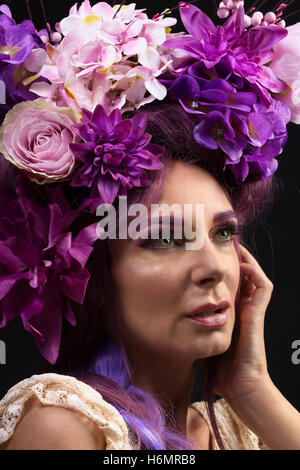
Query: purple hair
x,y
87,353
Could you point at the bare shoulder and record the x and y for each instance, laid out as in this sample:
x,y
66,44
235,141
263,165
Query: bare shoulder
x,y
48,427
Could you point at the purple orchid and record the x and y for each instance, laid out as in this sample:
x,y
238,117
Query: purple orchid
x,y
114,154
15,90
199,96
245,51
232,119
228,90
41,262
214,131
267,135
26,26
16,45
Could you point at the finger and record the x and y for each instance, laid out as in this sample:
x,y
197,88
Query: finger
x,y
249,258
247,287
263,286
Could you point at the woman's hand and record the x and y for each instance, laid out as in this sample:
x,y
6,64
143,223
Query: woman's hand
x,y
243,367
241,374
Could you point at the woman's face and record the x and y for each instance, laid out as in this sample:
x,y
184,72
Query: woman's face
x,y
159,283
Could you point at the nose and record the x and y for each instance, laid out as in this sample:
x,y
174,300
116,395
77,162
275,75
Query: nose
x,y
209,266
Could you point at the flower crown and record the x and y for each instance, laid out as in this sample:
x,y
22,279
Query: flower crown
x,y
64,95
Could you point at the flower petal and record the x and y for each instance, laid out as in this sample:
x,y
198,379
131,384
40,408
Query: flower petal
x,y
135,46
108,188
157,89
195,20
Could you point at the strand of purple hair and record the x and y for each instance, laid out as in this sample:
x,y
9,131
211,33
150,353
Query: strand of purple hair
x,y
208,396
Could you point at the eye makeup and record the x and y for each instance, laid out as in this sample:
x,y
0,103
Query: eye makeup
x,y
230,227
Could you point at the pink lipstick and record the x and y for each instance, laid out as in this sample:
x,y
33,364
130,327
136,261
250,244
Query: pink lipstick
x,y
211,315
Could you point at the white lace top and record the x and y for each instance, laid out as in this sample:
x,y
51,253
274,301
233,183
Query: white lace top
x,y
69,392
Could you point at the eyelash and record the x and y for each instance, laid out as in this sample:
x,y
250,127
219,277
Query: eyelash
x,y
230,227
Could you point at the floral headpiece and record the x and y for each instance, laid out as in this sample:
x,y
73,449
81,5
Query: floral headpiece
x,y
64,95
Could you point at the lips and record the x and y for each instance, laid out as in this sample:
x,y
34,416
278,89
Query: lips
x,y
210,307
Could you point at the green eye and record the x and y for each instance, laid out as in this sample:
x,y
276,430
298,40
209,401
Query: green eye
x,y
163,240
162,243
223,231
227,235
231,230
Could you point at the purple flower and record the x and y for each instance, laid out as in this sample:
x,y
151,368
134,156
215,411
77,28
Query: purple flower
x,y
267,135
249,133
228,91
114,154
28,26
6,21
15,92
15,44
243,51
215,131
199,95
42,264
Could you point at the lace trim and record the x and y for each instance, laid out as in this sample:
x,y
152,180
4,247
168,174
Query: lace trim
x,y
234,433
68,392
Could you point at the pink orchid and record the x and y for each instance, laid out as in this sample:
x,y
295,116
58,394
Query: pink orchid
x,y
87,20
104,10
91,65
95,55
131,31
286,66
36,60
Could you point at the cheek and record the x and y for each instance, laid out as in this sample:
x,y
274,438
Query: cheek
x,y
145,282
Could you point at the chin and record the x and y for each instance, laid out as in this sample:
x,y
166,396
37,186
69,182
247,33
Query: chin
x,y
215,346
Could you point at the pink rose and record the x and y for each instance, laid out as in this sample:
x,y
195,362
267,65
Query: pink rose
x,y
286,66
35,137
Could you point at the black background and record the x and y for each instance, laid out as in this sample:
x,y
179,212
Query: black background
x,y
275,242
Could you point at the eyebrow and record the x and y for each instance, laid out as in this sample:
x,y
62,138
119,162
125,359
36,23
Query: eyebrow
x,y
221,216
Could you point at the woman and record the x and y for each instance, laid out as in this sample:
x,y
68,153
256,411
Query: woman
x,y
123,375
154,284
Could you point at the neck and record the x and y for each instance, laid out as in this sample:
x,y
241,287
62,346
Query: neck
x,y
169,381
